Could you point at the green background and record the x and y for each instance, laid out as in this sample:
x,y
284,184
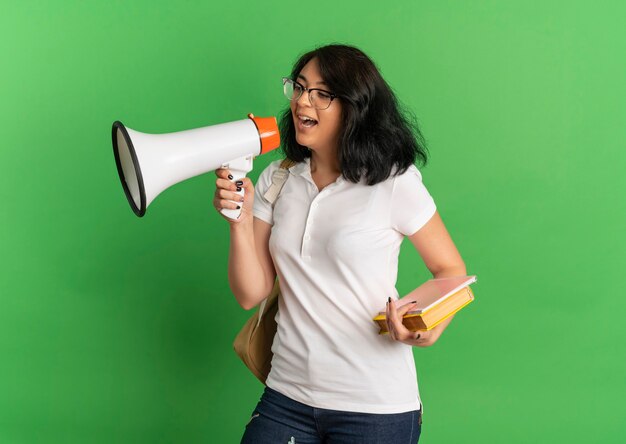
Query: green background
x,y
115,329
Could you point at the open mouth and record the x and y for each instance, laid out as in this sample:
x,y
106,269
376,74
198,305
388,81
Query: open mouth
x,y
306,121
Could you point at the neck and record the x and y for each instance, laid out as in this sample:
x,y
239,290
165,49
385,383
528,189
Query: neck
x,y
325,163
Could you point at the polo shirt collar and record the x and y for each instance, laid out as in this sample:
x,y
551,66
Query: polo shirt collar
x,y
300,168
304,169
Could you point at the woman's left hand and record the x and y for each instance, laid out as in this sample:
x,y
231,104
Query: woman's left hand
x,y
398,331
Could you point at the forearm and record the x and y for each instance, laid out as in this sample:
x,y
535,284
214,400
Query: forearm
x,y
245,274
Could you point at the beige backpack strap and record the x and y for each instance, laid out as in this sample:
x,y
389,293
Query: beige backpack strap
x,y
278,180
279,177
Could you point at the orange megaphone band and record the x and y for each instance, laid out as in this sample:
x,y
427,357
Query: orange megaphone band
x,y
268,131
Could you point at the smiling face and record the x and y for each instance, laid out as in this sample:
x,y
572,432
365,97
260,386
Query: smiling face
x,y
323,133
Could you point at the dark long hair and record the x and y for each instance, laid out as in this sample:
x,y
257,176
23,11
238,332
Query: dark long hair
x,y
377,134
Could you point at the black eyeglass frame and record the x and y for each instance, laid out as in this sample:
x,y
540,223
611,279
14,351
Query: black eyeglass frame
x,y
333,96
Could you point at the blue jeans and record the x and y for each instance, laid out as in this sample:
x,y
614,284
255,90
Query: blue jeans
x,y
278,419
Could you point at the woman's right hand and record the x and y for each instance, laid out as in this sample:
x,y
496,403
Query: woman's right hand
x,y
225,192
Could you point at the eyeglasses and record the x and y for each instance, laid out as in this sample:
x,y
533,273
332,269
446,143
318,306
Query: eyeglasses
x,y
319,98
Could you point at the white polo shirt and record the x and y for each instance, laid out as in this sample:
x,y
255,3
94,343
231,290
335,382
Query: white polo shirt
x,y
336,257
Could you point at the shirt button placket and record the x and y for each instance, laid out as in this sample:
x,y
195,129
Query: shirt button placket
x,y
306,250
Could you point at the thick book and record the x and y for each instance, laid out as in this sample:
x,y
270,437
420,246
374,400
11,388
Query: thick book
x,y
437,300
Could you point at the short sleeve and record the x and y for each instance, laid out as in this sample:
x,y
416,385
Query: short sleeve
x,y
411,203
262,208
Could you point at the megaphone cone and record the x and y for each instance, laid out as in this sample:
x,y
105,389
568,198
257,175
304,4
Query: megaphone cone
x,y
149,163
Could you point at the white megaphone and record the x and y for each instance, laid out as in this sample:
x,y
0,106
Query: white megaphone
x,y
149,163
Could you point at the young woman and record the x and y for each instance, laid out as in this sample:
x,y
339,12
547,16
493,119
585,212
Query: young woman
x,y
332,238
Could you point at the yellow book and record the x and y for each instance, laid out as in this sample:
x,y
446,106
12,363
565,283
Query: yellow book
x,y
437,300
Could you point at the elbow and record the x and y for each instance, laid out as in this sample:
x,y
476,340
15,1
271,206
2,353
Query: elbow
x,y
243,302
250,297
252,301
451,270
247,304
248,307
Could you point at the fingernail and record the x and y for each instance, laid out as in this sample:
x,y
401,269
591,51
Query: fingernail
x,y
230,176
239,182
238,188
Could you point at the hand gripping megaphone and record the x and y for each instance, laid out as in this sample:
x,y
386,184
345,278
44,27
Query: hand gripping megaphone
x,y
149,163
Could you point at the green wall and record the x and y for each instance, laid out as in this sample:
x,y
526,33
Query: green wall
x,y
115,329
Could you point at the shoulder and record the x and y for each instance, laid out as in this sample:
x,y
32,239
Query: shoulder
x,y
411,171
266,174
411,175
408,183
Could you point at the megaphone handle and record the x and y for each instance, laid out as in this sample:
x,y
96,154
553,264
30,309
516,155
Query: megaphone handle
x,y
234,214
